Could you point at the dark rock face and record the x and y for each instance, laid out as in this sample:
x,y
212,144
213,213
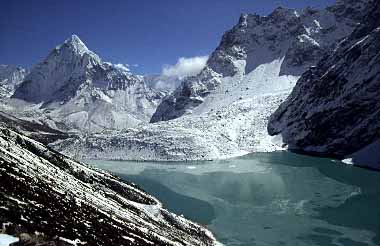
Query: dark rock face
x,y
299,38
49,199
188,95
335,108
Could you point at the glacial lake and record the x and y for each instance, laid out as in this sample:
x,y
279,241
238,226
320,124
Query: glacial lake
x,y
268,198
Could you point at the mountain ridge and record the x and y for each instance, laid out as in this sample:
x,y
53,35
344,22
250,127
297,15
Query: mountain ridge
x,y
333,108
212,116
73,86
299,38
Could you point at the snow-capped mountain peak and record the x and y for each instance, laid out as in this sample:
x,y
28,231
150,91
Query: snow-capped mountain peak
x,y
77,48
266,53
80,90
61,74
76,44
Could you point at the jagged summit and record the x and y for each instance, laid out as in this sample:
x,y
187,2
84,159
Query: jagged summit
x,y
60,74
283,13
77,47
265,53
280,11
75,40
83,91
334,108
75,43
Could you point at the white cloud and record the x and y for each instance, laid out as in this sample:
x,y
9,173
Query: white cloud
x,y
163,85
185,67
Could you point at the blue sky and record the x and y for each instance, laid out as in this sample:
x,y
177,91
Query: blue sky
x,y
150,33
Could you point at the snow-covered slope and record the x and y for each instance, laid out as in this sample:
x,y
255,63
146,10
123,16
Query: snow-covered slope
x,y
224,110
263,54
10,78
38,131
47,197
335,108
234,130
75,87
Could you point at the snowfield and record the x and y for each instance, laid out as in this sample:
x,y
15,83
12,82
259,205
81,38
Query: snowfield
x,y
234,130
231,122
222,112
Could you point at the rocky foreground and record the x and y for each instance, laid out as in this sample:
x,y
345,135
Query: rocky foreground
x,y
49,199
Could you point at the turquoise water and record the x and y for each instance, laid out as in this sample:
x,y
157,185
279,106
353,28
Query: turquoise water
x,y
267,199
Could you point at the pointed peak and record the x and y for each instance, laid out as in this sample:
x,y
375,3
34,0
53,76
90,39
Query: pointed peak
x,y
283,13
75,43
243,19
280,10
74,39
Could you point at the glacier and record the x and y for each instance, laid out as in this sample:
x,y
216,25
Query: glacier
x,y
223,111
219,113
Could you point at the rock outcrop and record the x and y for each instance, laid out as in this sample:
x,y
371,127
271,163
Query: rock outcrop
x,y
296,39
334,109
49,199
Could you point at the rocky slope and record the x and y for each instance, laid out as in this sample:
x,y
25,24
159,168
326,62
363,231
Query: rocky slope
x,y
334,108
39,131
224,111
73,86
10,78
264,54
49,199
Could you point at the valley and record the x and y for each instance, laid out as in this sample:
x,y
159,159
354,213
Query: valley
x,y
271,139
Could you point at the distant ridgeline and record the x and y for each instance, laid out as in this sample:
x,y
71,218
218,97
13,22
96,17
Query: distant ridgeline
x,y
75,88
